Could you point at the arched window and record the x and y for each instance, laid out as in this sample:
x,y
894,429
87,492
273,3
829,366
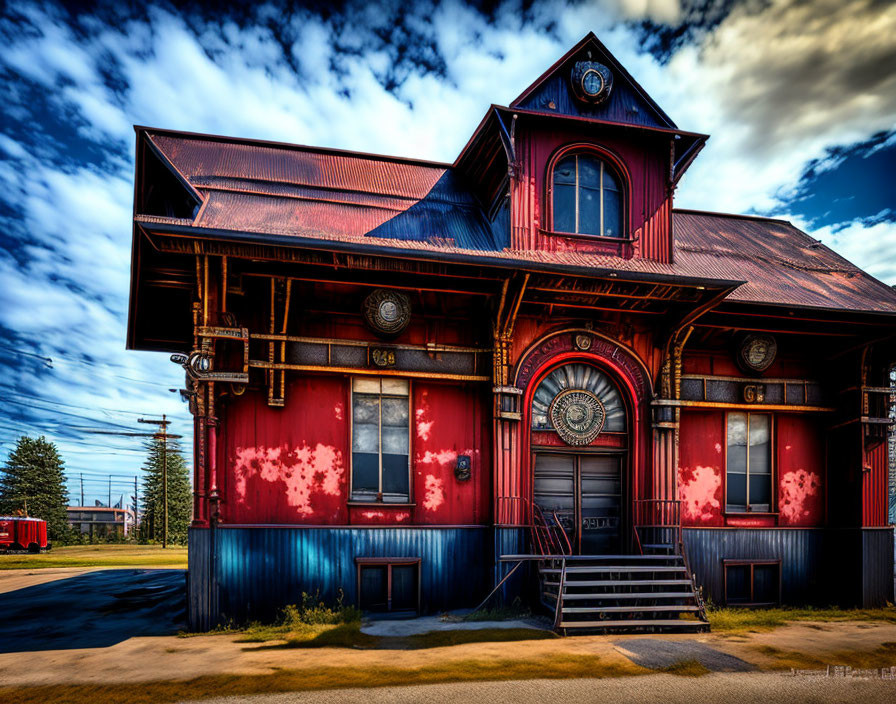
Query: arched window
x,y
587,197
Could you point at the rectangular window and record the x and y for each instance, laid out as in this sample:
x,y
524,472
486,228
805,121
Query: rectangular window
x,y
752,582
749,462
380,440
389,584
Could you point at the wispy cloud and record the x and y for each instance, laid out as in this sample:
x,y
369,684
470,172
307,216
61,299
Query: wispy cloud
x,y
777,84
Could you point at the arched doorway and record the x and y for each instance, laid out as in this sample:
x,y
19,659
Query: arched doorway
x,y
580,427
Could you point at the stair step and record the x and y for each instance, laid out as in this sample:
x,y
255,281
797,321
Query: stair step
x,y
619,583
615,568
628,595
634,623
617,609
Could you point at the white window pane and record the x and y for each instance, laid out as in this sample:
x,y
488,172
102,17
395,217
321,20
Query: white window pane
x,y
396,387
365,438
365,409
366,385
395,441
395,412
760,446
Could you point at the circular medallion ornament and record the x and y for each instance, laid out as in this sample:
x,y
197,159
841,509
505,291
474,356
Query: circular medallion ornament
x,y
583,341
577,415
387,312
757,352
591,82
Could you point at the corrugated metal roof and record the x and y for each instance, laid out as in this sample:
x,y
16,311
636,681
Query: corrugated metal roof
x,y
310,194
779,263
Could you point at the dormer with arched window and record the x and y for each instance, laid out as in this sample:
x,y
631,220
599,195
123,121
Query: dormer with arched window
x,y
587,195
583,161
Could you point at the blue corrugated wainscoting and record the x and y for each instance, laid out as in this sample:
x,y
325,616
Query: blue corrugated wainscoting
x,y
846,567
244,573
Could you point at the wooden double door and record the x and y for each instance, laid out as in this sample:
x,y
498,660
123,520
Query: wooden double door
x,y
584,491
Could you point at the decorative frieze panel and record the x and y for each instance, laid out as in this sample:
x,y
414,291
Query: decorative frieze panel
x,y
778,392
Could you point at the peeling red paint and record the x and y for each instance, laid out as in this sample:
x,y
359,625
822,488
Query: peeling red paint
x,y
800,471
422,417
286,465
700,485
435,496
796,490
700,494
303,471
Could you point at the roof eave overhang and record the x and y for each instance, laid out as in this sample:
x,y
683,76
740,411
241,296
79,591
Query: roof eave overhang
x,y
463,258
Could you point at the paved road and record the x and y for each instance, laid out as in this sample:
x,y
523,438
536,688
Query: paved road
x,y
93,610
729,688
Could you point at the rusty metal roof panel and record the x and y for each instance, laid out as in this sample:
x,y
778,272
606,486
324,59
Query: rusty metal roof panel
x,y
198,158
780,264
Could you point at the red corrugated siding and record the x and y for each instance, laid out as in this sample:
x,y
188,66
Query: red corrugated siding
x,y
648,206
701,463
874,487
287,465
450,420
800,471
292,464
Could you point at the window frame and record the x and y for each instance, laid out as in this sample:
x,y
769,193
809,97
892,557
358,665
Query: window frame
x,y
389,563
751,564
617,170
772,452
377,498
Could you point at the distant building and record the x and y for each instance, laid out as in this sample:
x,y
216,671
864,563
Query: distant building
x,y
100,521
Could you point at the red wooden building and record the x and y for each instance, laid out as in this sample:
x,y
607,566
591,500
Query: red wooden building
x,y
410,378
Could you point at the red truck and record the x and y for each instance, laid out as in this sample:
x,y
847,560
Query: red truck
x,y
19,534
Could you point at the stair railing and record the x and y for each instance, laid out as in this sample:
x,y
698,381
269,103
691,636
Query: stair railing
x,y
545,537
558,607
662,514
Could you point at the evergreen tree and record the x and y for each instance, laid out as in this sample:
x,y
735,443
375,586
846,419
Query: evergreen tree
x,y
180,499
33,480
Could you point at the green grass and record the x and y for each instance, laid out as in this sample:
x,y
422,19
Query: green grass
x,y
99,556
733,620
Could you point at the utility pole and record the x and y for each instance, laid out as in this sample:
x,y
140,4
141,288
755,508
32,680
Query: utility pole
x,y
164,436
137,537
82,489
109,504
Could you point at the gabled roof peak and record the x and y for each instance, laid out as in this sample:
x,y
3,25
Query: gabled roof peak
x,y
627,102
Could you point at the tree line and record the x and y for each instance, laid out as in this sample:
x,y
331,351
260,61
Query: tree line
x,y
33,483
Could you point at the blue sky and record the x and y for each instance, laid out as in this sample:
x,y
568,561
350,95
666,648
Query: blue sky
x,y
799,99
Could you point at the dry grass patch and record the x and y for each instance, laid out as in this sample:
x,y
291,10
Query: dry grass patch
x,y
99,556
686,668
732,620
163,692
882,656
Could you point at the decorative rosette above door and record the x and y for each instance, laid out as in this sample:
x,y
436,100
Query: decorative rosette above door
x,y
578,402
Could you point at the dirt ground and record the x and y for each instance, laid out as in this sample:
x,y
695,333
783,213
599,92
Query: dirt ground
x,y
154,657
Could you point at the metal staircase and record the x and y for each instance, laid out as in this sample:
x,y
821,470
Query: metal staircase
x,y
628,592
653,590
